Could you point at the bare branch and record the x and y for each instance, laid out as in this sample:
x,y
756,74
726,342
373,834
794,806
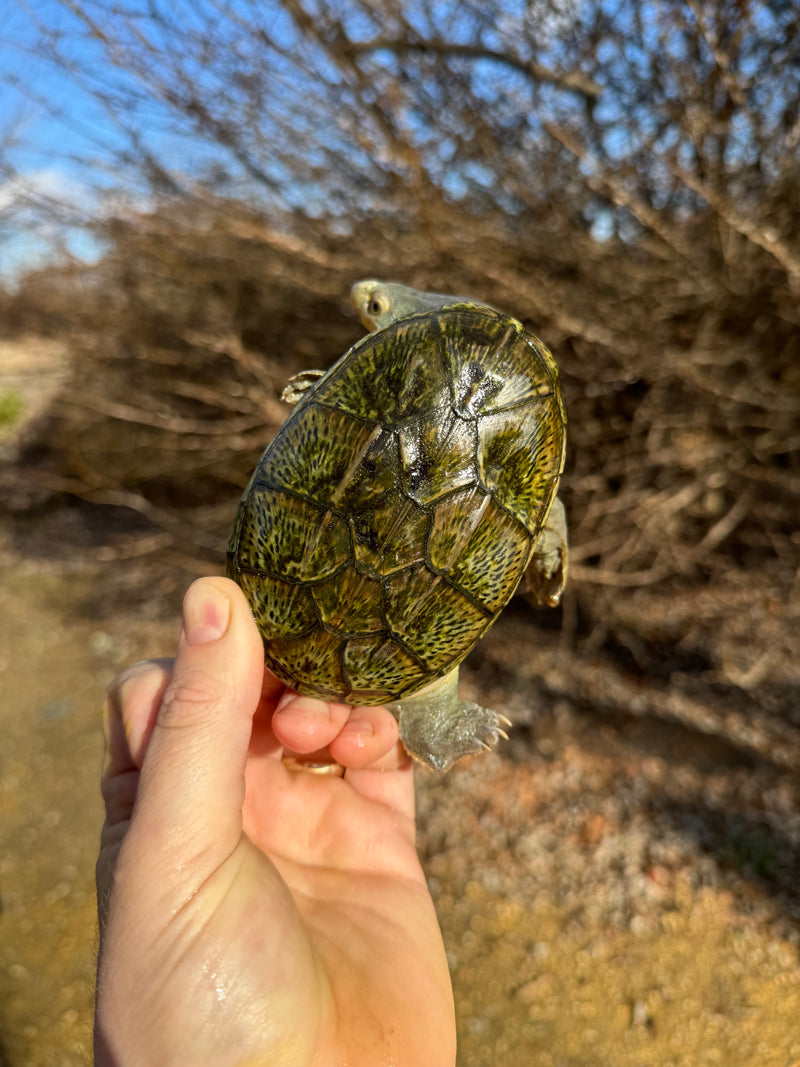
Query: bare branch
x,y
574,80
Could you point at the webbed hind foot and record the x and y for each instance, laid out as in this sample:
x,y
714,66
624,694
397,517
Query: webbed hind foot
x,y
438,729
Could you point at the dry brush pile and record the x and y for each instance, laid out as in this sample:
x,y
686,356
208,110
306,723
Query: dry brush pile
x,y
621,177
681,383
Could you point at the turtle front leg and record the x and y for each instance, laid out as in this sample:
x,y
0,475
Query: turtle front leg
x,y
299,385
546,576
437,728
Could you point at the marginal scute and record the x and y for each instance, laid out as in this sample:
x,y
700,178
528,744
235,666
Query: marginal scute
x,y
440,627
236,531
454,520
351,602
396,375
491,563
380,666
318,451
520,459
280,608
312,663
285,536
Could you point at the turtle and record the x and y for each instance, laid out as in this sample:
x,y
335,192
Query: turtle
x,y
409,493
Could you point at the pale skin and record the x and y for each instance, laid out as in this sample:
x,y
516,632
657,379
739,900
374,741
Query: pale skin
x,y
249,913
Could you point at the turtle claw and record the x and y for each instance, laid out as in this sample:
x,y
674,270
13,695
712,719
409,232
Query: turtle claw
x,y
438,729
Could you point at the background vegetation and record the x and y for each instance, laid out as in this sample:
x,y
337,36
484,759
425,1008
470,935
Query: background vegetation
x,y
622,176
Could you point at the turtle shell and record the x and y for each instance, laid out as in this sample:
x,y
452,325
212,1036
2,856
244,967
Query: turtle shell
x,y
394,513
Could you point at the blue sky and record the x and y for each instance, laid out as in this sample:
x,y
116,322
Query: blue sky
x,y
58,144
62,144
38,145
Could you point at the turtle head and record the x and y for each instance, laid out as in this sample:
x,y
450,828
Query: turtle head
x,y
380,304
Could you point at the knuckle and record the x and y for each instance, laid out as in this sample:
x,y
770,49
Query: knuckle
x,y
191,698
135,670
134,677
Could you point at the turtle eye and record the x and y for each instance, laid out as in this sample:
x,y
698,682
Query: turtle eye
x,y
378,305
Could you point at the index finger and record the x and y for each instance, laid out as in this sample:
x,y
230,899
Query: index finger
x,y
130,712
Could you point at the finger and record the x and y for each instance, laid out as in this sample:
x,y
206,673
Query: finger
x,y
192,782
130,712
304,724
369,738
262,738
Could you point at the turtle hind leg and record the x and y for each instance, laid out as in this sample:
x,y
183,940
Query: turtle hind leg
x,y
546,574
437,728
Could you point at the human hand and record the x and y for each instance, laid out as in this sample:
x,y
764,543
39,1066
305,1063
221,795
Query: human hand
x,y
249,913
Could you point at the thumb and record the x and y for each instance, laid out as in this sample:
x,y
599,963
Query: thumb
x,y
191,789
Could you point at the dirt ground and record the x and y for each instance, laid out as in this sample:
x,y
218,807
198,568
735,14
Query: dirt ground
x,y
597,907
618,884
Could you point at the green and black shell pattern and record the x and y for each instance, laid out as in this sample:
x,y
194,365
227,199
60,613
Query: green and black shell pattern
x,y
394,513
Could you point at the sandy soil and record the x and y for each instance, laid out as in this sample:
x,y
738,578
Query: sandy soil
x,y
594,911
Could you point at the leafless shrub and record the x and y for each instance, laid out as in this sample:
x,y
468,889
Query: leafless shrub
x,y
631,194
